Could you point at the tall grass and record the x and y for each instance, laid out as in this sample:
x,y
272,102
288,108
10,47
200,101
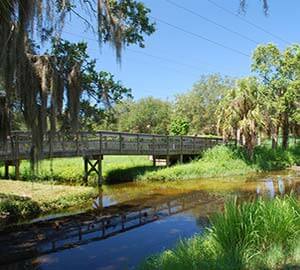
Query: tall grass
x,y
257,235
222,161
219,161
216,162
71,170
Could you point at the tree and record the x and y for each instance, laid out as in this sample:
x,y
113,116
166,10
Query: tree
x,y
240,112
148,115
98,107
32,79
198,106
280,76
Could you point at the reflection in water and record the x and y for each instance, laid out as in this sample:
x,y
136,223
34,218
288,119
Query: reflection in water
x,y
128,231
281,186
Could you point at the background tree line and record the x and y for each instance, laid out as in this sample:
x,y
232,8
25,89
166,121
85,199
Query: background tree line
x,y
264,105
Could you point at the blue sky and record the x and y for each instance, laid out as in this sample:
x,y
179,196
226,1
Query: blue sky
x,y
173,60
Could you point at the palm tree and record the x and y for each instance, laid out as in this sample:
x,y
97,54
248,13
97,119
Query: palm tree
x,y
240,113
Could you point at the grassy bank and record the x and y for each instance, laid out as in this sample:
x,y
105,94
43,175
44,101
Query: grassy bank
x,y
220,161
20,200
223,161
70,170
259,235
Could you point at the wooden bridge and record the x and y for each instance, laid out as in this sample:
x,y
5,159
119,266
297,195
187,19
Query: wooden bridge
x,y
92,146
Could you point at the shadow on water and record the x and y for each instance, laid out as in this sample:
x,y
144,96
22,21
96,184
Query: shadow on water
x,y
119,236
122,175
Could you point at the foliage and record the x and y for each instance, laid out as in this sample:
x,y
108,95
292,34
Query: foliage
x,y
179,126
13,206
280,77
220,161
148,115
267,159
97,106
223,161
257,235
198,106
33,80
241,111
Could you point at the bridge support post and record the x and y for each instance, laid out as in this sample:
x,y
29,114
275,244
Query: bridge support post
x,y
6,170
93,164
17,169
154,160
14,163
168,163
181,159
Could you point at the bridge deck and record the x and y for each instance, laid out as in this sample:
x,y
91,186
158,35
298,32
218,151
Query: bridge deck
x,y
105,143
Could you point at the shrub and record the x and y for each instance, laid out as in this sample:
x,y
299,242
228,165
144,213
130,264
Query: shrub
x,y
14,207
273,159
216,162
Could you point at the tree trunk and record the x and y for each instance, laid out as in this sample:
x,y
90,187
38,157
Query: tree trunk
x,y
285,131
239,136
259,139
250,142
274,135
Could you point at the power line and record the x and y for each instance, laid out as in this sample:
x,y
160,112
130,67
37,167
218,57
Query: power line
x,y
201,37
141,52
248,22
212,22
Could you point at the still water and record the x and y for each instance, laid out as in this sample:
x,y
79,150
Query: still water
x,y
134,220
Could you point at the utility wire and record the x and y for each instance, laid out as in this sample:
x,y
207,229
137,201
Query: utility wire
x,y
248,22
212,21
201,37
143,53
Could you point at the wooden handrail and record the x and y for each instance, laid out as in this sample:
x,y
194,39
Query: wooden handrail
x,y
115,143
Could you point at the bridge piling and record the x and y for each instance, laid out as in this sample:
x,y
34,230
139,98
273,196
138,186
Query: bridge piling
x,y
93,164
14,163
6,170
154,160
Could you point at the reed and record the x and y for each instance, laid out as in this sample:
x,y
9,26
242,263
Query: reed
x,y
256,235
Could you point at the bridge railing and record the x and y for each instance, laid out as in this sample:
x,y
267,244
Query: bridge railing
x,y
19,145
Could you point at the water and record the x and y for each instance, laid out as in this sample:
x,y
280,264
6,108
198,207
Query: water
x,y
132,221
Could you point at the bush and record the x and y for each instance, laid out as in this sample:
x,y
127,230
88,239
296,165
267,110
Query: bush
x,y
15,207
216,162
274,159
223,161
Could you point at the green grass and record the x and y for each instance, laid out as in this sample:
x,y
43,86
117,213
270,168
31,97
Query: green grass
x,y
70,170
223,161
21,200
257,235
220,161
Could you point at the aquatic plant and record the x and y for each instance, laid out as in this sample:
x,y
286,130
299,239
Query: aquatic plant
x,y
256,235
